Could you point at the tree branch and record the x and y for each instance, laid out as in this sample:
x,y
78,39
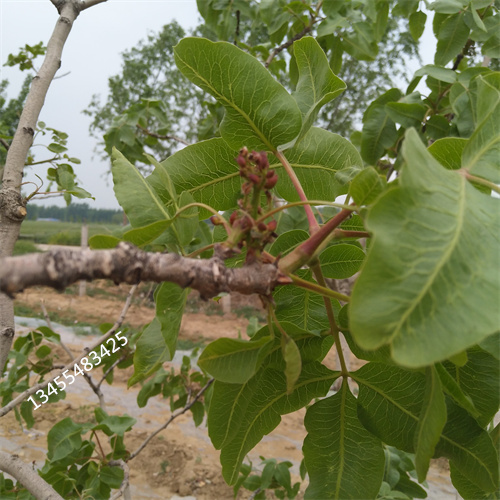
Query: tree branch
x,y
285,45
171,419
4,143
162,137
124,487
128,264
27,476
12,206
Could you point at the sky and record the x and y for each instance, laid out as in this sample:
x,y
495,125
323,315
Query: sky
x,y
91,55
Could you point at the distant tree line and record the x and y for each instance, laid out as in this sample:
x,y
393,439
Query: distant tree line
x,y
80,212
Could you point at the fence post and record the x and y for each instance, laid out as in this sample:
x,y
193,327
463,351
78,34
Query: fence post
x,y
82,287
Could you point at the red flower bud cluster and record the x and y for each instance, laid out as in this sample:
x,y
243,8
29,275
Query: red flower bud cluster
x,y
255,168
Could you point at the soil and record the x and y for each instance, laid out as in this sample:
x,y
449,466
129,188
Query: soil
x,y
180,461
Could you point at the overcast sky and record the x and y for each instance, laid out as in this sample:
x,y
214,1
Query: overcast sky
x,y
91,55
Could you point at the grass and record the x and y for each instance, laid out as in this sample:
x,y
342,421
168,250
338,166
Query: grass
x,y
67,320
248,312
24,246
188,344
61,232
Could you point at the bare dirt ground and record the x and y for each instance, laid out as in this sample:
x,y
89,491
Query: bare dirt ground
x,y
180,461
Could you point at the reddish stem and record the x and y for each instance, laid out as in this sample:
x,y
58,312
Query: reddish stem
x,y
303,253
313,223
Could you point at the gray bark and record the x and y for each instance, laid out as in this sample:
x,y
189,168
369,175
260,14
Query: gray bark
x,y
12,205
28,477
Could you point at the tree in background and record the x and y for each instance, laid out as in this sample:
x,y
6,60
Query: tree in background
x,y
423,311
140,115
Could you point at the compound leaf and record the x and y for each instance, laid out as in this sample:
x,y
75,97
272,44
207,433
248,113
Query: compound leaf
x,y
240,415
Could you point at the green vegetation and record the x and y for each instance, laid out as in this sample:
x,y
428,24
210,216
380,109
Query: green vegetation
x,y
76,212
25,246
62,233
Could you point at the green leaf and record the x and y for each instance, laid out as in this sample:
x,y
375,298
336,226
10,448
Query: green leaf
x,y
158,341
240,415
79,192
366,186
232,360
315,160
437,127
114,424
112,476
389,404
426,234
26,409
137,198
452,37
479,379
293,361
64,439
379,131
361,43
408,114
186,223
144,235
286,242
430,424
380,25
491,345
437,72
417,24
103,242
341,261
448,151
343,459
316,84
198,411
480,155
207,171
302,307
448,6
260,114
469,448
491,48
56,148
452,388
467,489
477,20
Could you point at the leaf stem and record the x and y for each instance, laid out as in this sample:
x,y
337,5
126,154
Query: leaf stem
x,y
480,180
206,207
306,250
313,223
301,203
334,329
200,250
321,290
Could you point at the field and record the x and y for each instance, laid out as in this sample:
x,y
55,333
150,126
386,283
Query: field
x,y
181,460
61,233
